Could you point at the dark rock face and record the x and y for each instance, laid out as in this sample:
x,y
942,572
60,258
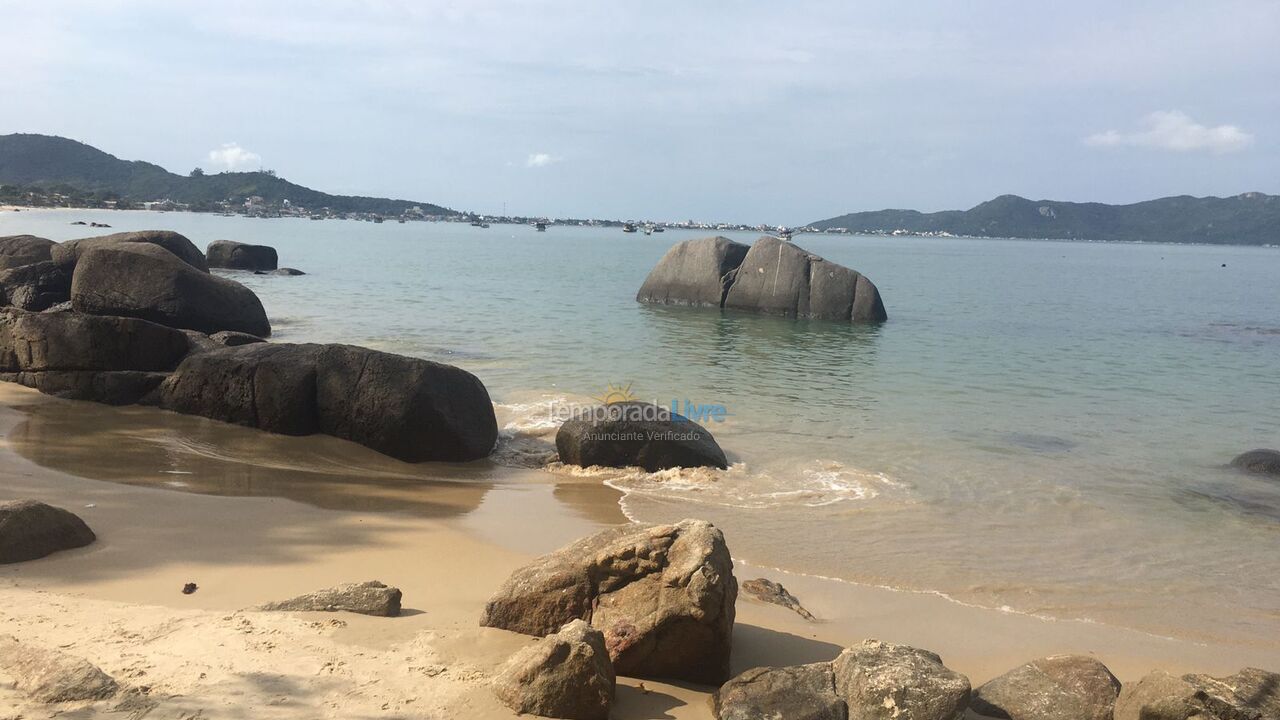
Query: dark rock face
x,y
240,256
367,598
1251,694
565,675
292,272
228,338
1266,462
51,676
766,590
881,680
798,692
778,278
773,277
109,387
37,342
30,530
637,434
19,250
410,409
146,281
662,595
36,287
68,254
1061,687
694,272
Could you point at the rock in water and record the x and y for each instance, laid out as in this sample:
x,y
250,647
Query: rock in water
x,y
30,530
148,282
50,676
290,272
769,591
799,692
32,342
1266,462
1250,689
662,595
1061,687
240,256
366,598
35,287
68,254
778,278
637,434
883,681
694,272
19,250
565,675
1161,696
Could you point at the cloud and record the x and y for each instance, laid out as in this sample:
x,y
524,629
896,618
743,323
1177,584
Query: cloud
x,y
537,160
1175,131
233,157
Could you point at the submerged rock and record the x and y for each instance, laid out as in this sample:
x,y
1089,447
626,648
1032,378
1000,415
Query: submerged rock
x,y
1266,462
662,595
637,434
30,530
798,692
68,254
35,287
694,272
779,278
366,598
50,676
19,250
291,272
1061,687
769,591
564,675
240,256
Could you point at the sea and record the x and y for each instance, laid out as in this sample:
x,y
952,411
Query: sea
x,y
1040,427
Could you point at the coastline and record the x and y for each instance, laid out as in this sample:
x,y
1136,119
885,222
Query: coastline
x,y
118,603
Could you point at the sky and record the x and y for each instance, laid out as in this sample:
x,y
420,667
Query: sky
x,y
778,112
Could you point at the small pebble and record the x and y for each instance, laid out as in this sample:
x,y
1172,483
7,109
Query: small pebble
x,y
189,588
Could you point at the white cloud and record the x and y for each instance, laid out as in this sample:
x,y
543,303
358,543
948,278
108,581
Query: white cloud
x,y
1176,131
233,157
537,160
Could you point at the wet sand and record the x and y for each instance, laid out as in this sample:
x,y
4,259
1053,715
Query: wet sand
x,y
252,517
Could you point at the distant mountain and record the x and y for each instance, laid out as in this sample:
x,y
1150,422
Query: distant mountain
x,y
44,161
1248,219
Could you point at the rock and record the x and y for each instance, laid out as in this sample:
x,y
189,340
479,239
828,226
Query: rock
x,y
771,592
36,342
1161,696
883,681
60,307
146,281
109,387
240,256
30,530
694,272
565,675
1250,689
68,254
414,410
1061,687
50,676
292,272
662,595
1266,462
779,278
37,286
637,434
799,692
19,250
366,598
228,338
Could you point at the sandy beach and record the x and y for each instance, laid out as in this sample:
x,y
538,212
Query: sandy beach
x,y
118,601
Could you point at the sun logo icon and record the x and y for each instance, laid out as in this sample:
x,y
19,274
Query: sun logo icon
x,y
616,394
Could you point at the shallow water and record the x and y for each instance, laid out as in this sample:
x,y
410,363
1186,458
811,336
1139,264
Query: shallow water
x,y
1040,426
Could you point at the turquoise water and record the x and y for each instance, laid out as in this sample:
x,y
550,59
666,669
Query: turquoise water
x,y
1040,426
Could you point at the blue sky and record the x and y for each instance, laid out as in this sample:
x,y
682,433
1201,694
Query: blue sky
x,y
751,111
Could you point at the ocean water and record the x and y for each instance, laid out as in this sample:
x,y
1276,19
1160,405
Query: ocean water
x,y
1041,427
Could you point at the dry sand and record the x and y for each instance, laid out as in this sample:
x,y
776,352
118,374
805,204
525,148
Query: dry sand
x,y
275,526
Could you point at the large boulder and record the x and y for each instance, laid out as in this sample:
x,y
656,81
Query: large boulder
x,y
30,530
411,409
37,286
38,342
19,250
1266,462
883,681
52,676
1161,696
636,434
1250,689
149,282
565,675
109,387
366,598
694,272
798,692
663,596
1061,687
779,278
240,256
68,254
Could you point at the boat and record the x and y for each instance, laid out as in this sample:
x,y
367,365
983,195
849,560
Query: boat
x,y
540,226
784,234
628,228
648,229
377,218
659,228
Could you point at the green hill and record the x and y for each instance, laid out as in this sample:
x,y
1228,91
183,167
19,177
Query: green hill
x,y
1248,219
55,163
